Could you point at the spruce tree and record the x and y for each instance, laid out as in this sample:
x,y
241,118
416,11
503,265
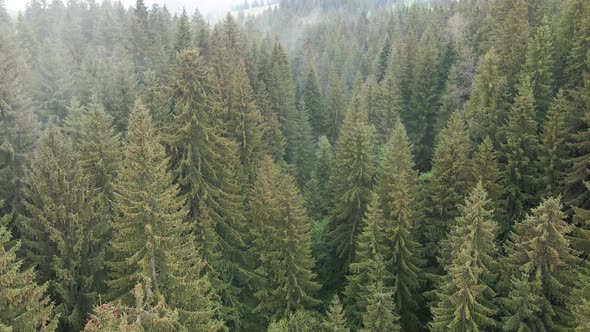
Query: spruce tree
x,y
554,150
312,98
539,65
19,127
383,60
520,149
485,168
245,123
511,38
449,184
282,244
60,228
335,320
334,106
152,248
183,37
94,137
318,195
523,305
389,103
301,148
371,246
24,305
575,194
206,165
380,315
540,248
421,113
353,180
397,187
487,108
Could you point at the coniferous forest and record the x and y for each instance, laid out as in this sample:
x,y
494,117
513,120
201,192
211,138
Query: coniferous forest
x,y
333,165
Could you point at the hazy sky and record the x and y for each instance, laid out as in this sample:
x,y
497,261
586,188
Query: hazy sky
x,y
205,6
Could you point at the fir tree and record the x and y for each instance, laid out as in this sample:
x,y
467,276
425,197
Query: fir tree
x,y
396,187
60,229
151,246
335,320
23,304
301,148
318,196
520,150
540,248
390,103
487,108
383,60
282,243
353,179
449,182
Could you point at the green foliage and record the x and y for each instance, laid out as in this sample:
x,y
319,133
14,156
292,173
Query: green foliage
x,y
486,110
312,98
300,321
335,320
151,246
282,245
397,194
449,183
465,296
353,179
540,248
520,149
61,229
485,168
380,315
24,305
539,65
335,104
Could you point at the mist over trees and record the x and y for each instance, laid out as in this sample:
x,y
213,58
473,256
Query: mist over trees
x,y
337,165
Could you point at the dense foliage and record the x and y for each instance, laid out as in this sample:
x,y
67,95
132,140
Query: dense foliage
x,y
337,165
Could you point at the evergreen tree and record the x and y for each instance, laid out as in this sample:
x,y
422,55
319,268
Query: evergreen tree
x,y
23,304
318,196
380,313
383,60
152,248
94,138
539,65
301,148
540,248
282,243
334,106
60,229
183,37
206,165
335,320
424,101
520,150
523,306
449,182
18,125
389,103
312,98
245,124
511,40
485,168
396,187
553,150
575,194
371,246
353,179
576,59
487,108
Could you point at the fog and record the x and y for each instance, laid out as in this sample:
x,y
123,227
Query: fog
x,y
207,7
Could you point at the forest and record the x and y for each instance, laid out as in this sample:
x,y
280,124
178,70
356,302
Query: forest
x,y
319,166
